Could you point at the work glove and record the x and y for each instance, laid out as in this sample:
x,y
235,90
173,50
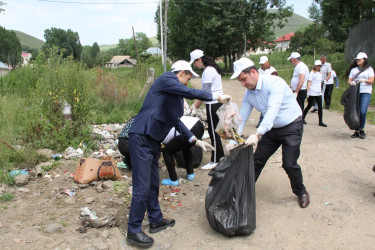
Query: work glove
x,y
295,95
225,99
362,80
204,145
193,111
353,83
231,145
252,140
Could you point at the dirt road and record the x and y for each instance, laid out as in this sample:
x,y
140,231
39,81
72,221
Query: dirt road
x,y
337,173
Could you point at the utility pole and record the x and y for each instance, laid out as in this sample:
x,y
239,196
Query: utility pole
x,y
135,42
165,33
161,33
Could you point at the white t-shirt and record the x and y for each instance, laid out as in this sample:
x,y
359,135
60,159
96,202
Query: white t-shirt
x,y
325,69
211,82
301,68
268,71
188,121
364,87
330,80
316,83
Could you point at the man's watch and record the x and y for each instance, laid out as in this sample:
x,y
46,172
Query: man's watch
x,y
259,135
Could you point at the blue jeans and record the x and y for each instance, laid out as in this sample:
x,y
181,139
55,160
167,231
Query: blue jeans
x,y
364,102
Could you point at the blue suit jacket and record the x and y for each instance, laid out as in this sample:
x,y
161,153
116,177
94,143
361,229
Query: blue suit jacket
x,y
163,107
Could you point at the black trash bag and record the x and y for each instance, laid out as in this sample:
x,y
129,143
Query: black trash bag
x,y
197,157
350,101
230,197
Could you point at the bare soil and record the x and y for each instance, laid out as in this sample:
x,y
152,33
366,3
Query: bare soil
x,y
337,172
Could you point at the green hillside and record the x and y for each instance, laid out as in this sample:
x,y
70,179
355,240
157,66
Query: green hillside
x,y
294,23
30,41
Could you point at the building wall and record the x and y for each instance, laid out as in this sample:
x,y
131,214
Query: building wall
x,y
3,72
361,39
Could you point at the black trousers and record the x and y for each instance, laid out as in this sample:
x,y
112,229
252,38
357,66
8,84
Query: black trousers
x,y
213,120
301,98
310,102
289,137
123,147
328,95
177,144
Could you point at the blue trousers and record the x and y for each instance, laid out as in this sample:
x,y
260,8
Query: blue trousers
x,y
364,102
144,155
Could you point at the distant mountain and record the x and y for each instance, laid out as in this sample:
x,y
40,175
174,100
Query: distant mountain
x,y
294,23
30,41
104,47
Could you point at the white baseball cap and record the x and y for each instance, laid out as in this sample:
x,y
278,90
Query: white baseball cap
x,y
361,55
195,54
240,65
183,65
263,60
317,63
293,55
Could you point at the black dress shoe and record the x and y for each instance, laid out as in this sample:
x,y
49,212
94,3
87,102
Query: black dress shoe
x,y
154,228
322,124
304,200
140,239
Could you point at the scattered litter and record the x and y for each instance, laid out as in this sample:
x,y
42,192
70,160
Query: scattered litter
x,y
56,157
173,194
57,175
121,164
72,153
180,204
69,192
327,203
206,135
175,190
90,219
71,175
14,173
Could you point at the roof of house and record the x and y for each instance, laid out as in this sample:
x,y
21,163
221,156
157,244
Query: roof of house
x,y
26,54
283,38
154,51
3,66
118,59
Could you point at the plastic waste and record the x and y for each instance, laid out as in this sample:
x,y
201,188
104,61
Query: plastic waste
x,y
230,198
56,157
14,173
121,164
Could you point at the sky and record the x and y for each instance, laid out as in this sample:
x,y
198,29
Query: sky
x,y
101,21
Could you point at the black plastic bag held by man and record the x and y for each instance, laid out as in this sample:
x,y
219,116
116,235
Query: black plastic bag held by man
x,y
230,198
350,101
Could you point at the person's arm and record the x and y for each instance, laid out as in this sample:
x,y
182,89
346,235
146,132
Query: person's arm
x,y
245,112
197,104
275,73
308,85
300,82
328,76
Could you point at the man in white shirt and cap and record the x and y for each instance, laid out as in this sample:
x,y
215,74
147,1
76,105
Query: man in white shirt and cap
x,y
282,124
299,79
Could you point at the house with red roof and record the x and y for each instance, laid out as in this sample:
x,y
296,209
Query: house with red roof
x,y
282,43
26,58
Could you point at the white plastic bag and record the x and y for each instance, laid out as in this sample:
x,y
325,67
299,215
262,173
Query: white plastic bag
x,y
229,121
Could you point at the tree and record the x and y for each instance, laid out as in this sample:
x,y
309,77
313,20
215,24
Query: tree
x,y
66,40
10,48
127,46
220,27
94,50
340,15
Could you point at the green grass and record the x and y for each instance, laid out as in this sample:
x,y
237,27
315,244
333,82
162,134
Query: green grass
x,y
292,25
28,40
6,197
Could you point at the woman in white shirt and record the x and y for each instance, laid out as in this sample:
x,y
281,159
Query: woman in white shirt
x,y
314,90
361,72
211,81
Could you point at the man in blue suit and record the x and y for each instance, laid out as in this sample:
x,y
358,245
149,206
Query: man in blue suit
x,y
161,110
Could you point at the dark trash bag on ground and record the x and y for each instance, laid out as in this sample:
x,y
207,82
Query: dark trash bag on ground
x,y
230,198
197,157
350,101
